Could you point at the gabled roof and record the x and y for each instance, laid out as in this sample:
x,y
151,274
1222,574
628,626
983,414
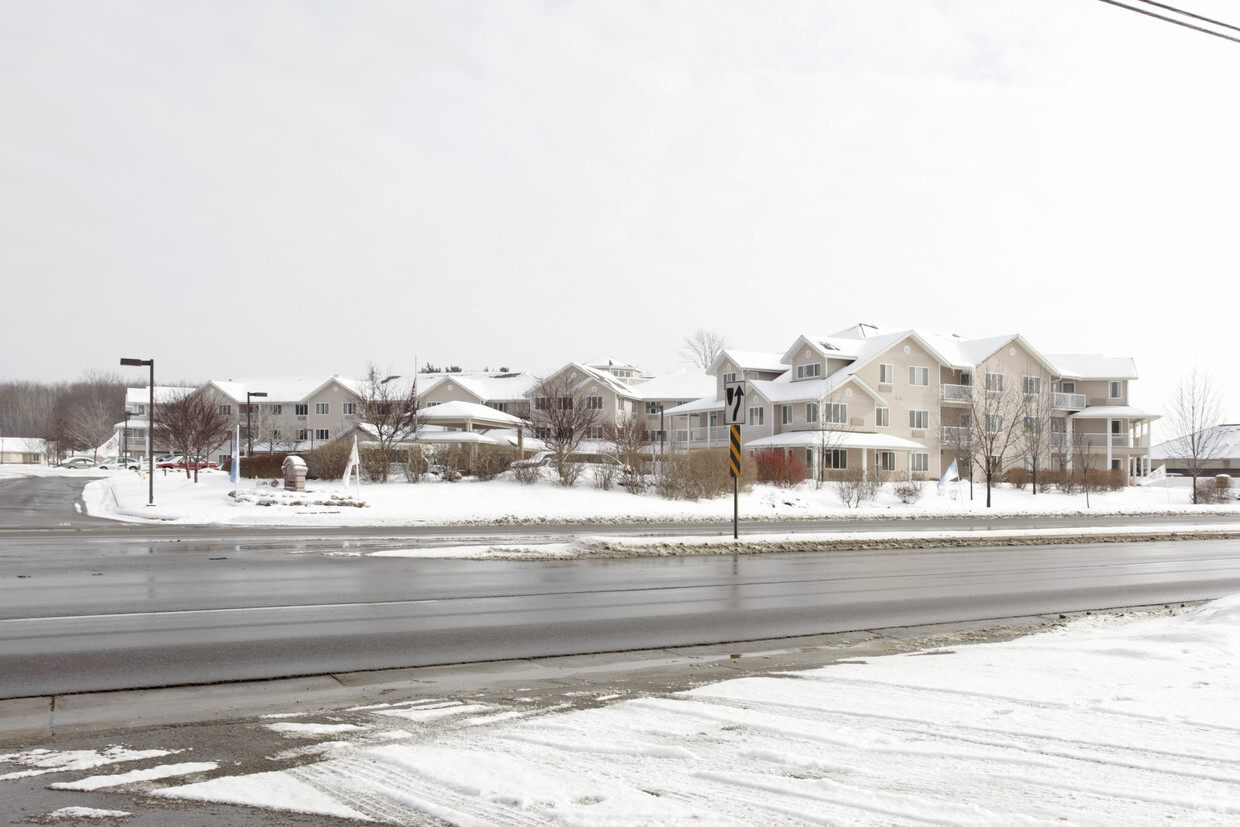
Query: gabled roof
x,y
1084,366
1224,441
748,360
501,387
589,374
280,388
163,393
782,392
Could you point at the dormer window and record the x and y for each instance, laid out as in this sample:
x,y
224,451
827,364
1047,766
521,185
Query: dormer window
x,y
729,377
809,371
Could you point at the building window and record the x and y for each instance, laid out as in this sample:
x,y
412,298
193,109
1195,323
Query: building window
x,y
1033,425
226,410
994,423
811,412
756,415
277,410
348,408
301,410
594,403
729,377
836,413
920,463
994,382
919,377
886,374
322,433
882,417
142,410
1116,389
654,408
919,420
594,432
886,460
276,435
1032,385
302,435
808,371
321,407
786,414
499,406
835,458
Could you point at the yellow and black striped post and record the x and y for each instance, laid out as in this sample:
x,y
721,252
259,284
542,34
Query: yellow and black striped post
x,y
735,457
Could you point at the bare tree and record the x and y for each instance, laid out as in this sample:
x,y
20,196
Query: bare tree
x,y
386,403
632,444
1037,405
703,346
91,423
1195,410
1083,451
562,416
829,431
194,425
996,421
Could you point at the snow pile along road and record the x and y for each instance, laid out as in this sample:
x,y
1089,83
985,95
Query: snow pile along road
x,y
1104,721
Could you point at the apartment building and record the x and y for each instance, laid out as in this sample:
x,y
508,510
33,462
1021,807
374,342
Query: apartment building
x,y
906,401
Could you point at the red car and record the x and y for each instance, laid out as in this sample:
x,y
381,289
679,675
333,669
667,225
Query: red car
x,y
180,462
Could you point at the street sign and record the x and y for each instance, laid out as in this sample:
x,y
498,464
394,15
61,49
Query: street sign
x,y
734,394
734,455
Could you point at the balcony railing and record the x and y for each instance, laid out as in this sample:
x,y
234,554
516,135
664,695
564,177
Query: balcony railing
x,y
714,434
955,434
956,393
1070,401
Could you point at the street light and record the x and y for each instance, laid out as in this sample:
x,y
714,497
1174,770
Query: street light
x,y
249,433
150,427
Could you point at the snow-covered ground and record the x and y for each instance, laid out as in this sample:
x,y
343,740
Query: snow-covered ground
x,y
1103,721
124,495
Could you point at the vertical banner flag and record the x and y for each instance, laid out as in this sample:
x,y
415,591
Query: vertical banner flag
x,y
353,463
950,474
234,467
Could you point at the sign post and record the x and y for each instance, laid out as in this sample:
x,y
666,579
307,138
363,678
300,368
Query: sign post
x,y
734,394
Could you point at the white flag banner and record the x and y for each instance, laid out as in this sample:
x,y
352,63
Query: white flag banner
x,y
1159,473
353,463
234,467
952,473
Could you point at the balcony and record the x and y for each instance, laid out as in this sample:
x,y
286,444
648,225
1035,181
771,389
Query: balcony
x,y
715,435
962,394
1069,401
955,434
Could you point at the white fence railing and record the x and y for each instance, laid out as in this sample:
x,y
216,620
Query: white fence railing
x,y
714,434
956,393
1071,401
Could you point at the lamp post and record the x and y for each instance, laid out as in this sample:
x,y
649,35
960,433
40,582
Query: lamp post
x,y
249,433
150,428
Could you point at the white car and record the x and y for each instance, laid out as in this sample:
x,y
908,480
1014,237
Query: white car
x,y
119,463
78,462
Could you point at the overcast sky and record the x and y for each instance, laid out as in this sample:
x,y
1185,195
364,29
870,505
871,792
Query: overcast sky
x,y
276,188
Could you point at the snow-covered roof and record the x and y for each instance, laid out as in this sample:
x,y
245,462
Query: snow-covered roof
x,y
1224,442
704,405
163,393
1114,412
607,362
489,387
280,388
1092,366
480,416
749,360
687,385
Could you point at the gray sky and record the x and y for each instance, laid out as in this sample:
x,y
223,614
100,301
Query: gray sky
x,y
523,183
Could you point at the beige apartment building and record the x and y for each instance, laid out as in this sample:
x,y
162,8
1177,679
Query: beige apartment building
x,y
908,402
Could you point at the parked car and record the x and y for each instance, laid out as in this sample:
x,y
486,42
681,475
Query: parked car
x,y
198,463
77,462
173,461
119,463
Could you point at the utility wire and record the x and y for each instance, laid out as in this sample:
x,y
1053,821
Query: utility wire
x,y
1183,23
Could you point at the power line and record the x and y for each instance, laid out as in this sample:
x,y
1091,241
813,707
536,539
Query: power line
x,y
1183,23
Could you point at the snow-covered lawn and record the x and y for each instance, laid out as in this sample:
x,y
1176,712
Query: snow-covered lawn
x,y
1103,721
124,495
